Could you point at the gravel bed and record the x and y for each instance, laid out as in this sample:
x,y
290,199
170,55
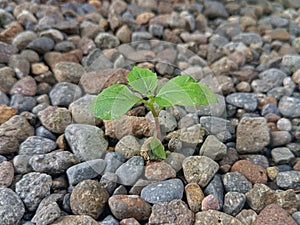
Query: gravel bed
x,y
235,162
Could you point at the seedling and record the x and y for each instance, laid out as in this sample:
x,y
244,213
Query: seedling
x,y
115,101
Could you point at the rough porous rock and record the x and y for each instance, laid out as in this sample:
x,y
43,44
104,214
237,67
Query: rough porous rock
x,y
6,113
36,145
213,148
126,206
128,146
32,188
174,212
6,174
68,72
252,135
12,208
87,142
159,171
55,119
199,169
88,198
74,220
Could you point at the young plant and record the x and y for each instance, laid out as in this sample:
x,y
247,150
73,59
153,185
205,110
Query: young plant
x,y
115,101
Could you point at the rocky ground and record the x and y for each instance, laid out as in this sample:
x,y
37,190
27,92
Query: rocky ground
x,y
236,162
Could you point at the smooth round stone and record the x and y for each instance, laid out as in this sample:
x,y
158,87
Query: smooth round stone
x,y
7,174
22,103
270,108
210,202
280,138
64,46
32,188
288,180
126,206
41,45
4,100
26,86
109,220
173,212
20,65
159,171
86,170
21,164
53,163
75,219
140,36
236,182
128,146
274,77
199,169
247,216
289,106
106,40
113,161
282,155
22,39
291,62
54,34
12,208
175,160
194,196
234,203
163,191
214,10
130,171
64,93
30,55
88,198
68,72
55,119
35,145
86,142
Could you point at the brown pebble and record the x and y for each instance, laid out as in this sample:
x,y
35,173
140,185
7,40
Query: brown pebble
x,y
26,86
274,214
6,113
61,142
159,171
129,221
253,172
195,196
144,17
39,68
279,34
210,202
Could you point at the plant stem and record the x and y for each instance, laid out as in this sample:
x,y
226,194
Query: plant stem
x,y
150,104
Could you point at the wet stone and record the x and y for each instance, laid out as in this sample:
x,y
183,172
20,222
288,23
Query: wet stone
x,y
130,171
233,203
64,93
199,169
88,198
86,142
86,170
55,119
6,174
35,145
126,206
32,188
53,163
22,103
12,208
174,212
236,182
163,191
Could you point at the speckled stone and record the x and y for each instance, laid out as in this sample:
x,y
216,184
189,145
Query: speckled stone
x,y
213,148
274,214
68,72
64,93
22,103
194,196
55,119
199,169
88,198
74,220
32,188
35,145
6,113
236,182
159,171
128,146
26,86
214,217
174,212
233,203
6,174
288,180
282,155
126,206
210,202
247,216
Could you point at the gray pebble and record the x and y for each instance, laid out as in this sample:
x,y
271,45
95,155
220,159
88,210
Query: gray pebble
x,y
12,208
141,36
214,10
106,40
175,160
291,62
109,220
128,146
129,172
288,180
113,161
68,72
166,120
53,163
20,65
109,181
64,46
234,203
21,164
22,103
41,45
247,101
248,38
282,155
32,188
236,182
43,132
213,148
163,191
3,98
64,93
87,142
215,188
289,106
274,77
22,39
295,148
35,145
86,170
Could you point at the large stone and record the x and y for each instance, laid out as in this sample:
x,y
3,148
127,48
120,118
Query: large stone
x,y
215,217
289,106
252,135
87,142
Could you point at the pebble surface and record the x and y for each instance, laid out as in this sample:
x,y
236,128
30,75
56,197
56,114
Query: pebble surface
x,y
232,162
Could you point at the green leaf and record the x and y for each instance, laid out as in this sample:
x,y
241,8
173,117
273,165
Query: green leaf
x,y
142,80
184,91
113,102
157,148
